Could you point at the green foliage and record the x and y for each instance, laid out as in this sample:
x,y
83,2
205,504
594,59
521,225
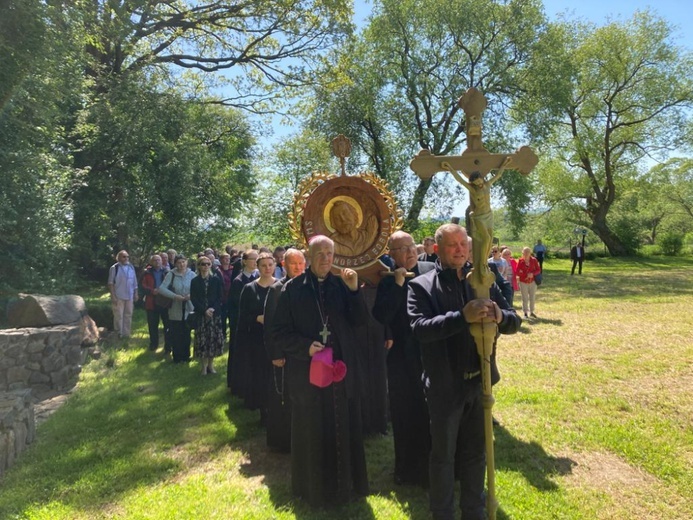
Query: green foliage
x,y
629,233
427,228
164,170
107,141
624,95
21,38
34,155
671,243
396,89
265,220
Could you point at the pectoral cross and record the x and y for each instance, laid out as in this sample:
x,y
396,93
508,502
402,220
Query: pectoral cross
x,y
324,333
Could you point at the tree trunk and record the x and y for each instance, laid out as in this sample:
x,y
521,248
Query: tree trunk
x,y
411,223
611,241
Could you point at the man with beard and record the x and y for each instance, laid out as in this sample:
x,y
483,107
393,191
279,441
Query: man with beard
x,y
318,310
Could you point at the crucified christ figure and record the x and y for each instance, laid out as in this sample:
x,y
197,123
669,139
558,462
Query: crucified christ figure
x,y
481,214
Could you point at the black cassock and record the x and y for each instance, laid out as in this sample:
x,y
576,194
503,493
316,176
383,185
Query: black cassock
x,y
250,348
408,410
328,461
236,363
278,420
374,405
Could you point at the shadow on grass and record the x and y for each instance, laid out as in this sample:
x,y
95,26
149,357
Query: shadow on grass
x,y
124,434
275,470
530,459
526,327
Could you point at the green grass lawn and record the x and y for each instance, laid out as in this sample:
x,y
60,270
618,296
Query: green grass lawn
x,y
595,405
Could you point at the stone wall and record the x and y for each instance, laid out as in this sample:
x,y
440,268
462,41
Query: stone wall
x,y
34,362
17,425
43,359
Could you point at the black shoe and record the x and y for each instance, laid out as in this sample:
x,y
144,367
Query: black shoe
x,y
495,421
526,316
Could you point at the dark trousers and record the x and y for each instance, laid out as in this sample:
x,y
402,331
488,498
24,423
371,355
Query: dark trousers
x,y
578,262
410,426
180,340
457,436
328,459
540,259
153,318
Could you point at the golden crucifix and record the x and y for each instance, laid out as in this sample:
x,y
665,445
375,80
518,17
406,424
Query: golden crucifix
x,y
474,164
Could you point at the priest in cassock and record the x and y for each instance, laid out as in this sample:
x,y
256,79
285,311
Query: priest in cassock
x,y
278,400
316,316
408,410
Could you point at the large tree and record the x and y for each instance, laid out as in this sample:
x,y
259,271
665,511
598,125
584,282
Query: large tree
x,y
165,170
397,87
133,126
35,64
260,44
621,95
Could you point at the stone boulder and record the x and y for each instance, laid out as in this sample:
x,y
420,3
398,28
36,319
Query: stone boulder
x,y
36,310
91,332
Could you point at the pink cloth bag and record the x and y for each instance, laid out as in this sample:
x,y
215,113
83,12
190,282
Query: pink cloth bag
x,y
324,371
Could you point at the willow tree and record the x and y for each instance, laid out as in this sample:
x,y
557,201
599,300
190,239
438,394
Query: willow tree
x,y
397,87
616,97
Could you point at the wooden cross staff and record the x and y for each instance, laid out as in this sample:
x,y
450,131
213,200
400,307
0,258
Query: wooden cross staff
x,y
475,163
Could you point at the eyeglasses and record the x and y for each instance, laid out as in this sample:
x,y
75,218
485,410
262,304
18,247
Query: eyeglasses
x,y
204,264
408,247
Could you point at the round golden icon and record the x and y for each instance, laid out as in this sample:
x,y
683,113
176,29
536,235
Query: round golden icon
x,y
358,213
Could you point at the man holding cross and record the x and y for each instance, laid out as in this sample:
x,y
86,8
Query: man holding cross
x,y
319,310
442,308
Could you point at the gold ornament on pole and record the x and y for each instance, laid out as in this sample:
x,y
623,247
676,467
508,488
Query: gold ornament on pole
x,y
341,148
358,212
470,170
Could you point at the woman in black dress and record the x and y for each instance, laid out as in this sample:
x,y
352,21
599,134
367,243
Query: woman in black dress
x,y
250,335
205,294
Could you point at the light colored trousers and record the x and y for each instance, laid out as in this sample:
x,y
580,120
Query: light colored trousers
x,y
529,291
122,316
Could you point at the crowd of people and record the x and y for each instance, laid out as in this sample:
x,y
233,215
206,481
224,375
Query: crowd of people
x,y
326,360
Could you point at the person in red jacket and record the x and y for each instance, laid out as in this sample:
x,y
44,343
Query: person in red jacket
x,y
527,270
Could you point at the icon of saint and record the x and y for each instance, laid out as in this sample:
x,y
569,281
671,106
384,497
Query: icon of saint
x,y
351,236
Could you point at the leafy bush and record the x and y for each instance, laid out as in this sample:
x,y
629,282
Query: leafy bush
x,y
628,231
671,243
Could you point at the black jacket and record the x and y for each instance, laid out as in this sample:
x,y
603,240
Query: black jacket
x,y
390,309
448,351
201,301
297,323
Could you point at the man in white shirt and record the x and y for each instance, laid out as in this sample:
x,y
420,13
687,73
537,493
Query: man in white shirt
x,y
122,283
